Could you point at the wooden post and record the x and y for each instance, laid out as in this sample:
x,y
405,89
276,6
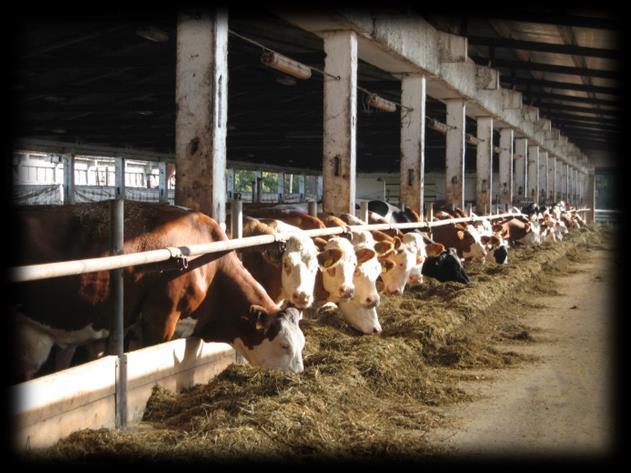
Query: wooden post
x,y
413,94
506,166
484,162
521,165
533,173
340,122
201,95
455,151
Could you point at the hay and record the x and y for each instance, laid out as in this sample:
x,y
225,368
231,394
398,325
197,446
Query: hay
x,y
359,397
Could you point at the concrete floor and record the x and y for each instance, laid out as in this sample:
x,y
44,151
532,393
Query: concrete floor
x,y
560,405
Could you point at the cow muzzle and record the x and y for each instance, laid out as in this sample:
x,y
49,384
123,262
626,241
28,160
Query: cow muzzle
x,y
300,299
346,292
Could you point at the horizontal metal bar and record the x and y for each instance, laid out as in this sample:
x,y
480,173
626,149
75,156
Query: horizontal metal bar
x,y
70,268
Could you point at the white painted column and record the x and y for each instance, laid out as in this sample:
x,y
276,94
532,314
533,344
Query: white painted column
x,y
69,162
201,95
340,122
413,94
543,177
506,166
533,173
455,150
521,166
484,163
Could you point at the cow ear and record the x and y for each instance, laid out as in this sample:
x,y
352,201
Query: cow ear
x,y
495,240
258,317
364,254
397,243
386,265
460,235
434,249
329,258
320,243
484,239
383,247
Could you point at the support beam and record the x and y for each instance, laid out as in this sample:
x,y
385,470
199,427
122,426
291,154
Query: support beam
x,y
280,191
543,177
506,166
521,168
413,95
552,179
484,163
533,173
455,151
340,122
201,94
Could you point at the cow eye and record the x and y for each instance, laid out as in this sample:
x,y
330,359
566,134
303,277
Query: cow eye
x,y
285,346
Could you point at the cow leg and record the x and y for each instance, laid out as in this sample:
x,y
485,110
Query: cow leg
x,y
33,350
159,320
63,357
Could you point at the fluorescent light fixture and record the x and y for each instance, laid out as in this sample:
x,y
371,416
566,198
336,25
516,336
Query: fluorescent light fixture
x,y
284,64
382,104
152,34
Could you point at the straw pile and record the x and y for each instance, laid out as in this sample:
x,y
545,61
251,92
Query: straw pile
x,y
360,397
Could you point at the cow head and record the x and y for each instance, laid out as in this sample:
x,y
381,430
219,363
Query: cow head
x,y
365,278
396,266
337,263
415,240
471,239
497,248
280,339
299,270
359,317
445,267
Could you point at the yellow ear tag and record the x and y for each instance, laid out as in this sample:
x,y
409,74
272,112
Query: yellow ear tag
x,y
328,263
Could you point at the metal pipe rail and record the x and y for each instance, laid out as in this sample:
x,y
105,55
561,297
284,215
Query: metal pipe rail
x,y
106,263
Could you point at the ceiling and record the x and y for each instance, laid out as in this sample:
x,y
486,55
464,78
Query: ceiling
x,y
97,81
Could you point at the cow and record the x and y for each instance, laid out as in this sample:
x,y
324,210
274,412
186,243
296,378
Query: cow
x,y
465,239
519,229
228,303
288,275
442,263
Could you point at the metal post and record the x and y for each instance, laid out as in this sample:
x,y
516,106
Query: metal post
x,y
117,332
363,211
69,179
119,178
162,183
236,219
313,208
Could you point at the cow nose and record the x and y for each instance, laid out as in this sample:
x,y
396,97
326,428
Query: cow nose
x,y
371,302
346,292
395,292
376,330
300,297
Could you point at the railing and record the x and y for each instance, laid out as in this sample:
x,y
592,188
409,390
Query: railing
x,y
117,262
607,216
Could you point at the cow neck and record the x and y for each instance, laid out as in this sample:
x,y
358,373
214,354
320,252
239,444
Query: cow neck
x,y
240,288
320,294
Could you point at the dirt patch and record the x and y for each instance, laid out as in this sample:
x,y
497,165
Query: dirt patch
x,y
359,396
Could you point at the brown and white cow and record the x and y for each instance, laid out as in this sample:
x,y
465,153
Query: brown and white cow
x,y
227,302
289,273
464,238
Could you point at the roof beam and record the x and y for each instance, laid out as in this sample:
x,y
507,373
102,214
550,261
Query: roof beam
x,y
553,18
571,98
544,47
536,66
560,85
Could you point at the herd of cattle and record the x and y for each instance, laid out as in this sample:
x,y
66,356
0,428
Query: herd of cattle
x,y
254,302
